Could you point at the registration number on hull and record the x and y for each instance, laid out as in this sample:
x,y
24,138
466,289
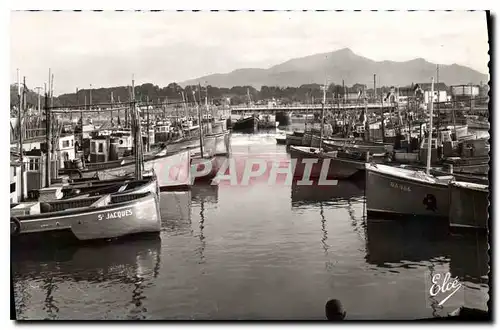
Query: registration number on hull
x,y
400,186
115,215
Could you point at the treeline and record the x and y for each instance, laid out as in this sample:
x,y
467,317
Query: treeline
x,y
174,93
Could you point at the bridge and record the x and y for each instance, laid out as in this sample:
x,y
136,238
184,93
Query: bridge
x,y
308,107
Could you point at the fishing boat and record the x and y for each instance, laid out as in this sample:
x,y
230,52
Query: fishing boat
x,y
335,167
392,191
469,205
267,121
246,124
294,139
204,168
280,140
172,169
216,144
476,122
94,187
99,217
357,145
398,191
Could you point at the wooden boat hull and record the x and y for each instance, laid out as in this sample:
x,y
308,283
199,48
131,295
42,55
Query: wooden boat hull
x,y
476,124
141,215
249,124
374,148
201,166
171,170
293,140
183,143
336,168
388,194
469,205
281,140
99,188
216,144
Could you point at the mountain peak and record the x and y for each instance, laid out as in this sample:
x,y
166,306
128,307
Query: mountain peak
x,y
343,65
343,51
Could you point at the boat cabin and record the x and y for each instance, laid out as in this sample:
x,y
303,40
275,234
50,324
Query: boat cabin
x,y
434,150
162,131
66,149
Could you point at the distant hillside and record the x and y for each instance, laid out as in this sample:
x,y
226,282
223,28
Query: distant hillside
x,y
296,80
343,65
31,97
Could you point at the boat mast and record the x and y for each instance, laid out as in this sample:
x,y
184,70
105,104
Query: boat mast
x,y
147,124
111,113
22,105
429,145
136,134
48,138
199,117
439,98
185,105
322,116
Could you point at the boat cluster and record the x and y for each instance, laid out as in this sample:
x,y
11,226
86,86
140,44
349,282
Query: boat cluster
x,y
104,182
405,174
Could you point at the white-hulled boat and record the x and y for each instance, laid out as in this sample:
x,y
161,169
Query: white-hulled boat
x,y
100,217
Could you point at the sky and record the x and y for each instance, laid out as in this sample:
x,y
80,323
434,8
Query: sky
x,y
105,48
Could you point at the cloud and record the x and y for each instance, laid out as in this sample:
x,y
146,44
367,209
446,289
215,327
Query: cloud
x,y
105,48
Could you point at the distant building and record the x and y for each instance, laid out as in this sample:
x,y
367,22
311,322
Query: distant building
x,y
440,92
464,92
439,96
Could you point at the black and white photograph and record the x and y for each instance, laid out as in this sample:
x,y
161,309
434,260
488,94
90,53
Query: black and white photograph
x,y
240,165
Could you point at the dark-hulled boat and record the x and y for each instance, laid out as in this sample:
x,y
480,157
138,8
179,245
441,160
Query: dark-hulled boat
x,y
403,192
247,124
294,139
363,146
100,217
469,205
335,167
280,140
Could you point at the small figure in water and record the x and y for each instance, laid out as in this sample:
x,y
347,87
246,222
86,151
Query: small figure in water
x,y
334,310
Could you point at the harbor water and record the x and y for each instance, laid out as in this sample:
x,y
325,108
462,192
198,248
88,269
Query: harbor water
x,y
260,251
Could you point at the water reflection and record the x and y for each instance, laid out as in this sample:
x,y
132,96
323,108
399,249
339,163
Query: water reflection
x,y
316,194
43,271
411,243
403,241
324,237
201,236
175,210
206,192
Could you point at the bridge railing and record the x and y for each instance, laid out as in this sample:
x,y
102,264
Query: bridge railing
x,y
308,106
